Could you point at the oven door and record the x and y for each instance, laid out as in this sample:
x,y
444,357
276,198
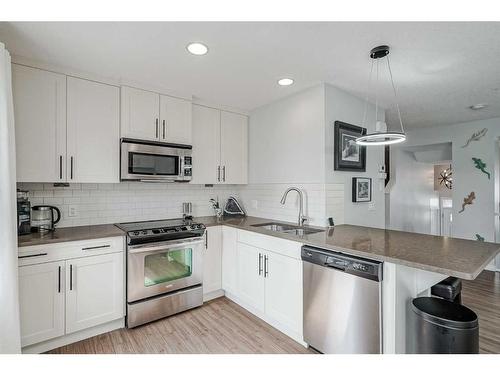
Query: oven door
x,y
163,267
151,162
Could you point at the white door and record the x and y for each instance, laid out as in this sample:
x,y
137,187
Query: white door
x,y
94,291
140,114
93,131
250,277
206,145
234,148
284,292
175,120
229,259
212,262
41,302
40,123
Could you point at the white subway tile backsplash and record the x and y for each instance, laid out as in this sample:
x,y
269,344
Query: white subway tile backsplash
x,y
134,201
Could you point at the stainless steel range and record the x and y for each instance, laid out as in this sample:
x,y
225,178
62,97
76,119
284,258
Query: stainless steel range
x,y
164,268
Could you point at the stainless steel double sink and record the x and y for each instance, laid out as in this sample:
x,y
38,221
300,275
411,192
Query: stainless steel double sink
x,y
287,228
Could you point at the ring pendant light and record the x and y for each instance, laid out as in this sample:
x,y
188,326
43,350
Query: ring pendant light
x,y
381,136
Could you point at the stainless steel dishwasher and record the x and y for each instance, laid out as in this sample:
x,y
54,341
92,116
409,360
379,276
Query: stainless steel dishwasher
x,y
342,302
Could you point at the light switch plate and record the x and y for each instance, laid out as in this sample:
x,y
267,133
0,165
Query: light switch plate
x,y
371,207
72,210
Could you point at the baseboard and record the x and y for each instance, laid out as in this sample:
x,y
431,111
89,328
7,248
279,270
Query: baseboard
x,y
212,295
73,337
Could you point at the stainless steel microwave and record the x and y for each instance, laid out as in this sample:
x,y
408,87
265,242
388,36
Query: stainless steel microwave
x,y
155,161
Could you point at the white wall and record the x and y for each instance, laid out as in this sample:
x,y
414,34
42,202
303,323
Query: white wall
x,y
285,140
411,193
479,217
341,106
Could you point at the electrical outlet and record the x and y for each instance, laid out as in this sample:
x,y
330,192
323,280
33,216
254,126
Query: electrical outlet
x,y
72,210
254,204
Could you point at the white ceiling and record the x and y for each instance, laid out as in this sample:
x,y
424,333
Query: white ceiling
x,y
439,68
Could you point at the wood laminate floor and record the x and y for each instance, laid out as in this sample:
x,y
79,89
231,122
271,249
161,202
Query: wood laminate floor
x,y
221,326
218,327
483,296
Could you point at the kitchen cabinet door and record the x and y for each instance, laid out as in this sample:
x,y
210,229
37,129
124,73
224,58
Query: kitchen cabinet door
x,y
234,148
212,262
206,145
250,277
229,259
175,120
94,291
93,127
140,114
41,302
283,300
40,122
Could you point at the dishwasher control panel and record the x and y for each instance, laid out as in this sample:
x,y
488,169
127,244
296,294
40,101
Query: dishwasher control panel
x,y
366,268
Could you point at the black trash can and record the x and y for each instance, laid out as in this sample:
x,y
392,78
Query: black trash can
x,y
441,327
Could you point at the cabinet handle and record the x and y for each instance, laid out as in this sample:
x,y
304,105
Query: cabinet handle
x,y
31,256
95,247
224,173
266,271
156,122
70,277
206,239
218,173
260,264
163,129
71,167
60,167
59,280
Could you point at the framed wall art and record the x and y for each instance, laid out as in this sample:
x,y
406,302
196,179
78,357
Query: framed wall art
x,y
348,156
361,189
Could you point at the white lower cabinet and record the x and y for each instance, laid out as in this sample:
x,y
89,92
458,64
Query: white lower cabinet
x,y
69,287
250,288
229,259
212,264
269,280
94,291
41,300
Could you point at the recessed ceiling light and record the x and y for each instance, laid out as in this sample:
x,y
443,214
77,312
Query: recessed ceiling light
x,y
285,82
477,107
197,48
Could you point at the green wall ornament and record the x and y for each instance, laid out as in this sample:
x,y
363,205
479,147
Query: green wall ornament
x,y
481,165
479,238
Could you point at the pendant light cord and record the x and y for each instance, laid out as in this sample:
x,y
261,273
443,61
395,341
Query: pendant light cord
x,y
367,94
395,95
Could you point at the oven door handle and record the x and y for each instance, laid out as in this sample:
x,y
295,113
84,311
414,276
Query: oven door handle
x,y
155,248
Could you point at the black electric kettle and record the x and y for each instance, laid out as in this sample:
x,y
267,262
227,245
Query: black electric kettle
x,y
43,218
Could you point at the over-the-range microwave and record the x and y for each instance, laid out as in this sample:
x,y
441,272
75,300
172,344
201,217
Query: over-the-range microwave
x,y
151,161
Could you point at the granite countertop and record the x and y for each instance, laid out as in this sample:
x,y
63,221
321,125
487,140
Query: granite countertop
x,y
450,256
87,232
460,258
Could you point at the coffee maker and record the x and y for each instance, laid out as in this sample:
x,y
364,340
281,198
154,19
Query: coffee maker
x,y
23,213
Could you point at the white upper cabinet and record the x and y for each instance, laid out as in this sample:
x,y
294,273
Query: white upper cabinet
x,y
93,131
206,145
220,147
140,114
234,148
175,120
40,123
150,116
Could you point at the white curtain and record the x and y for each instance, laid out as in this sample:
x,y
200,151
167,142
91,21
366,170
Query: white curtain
x,y
9,298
